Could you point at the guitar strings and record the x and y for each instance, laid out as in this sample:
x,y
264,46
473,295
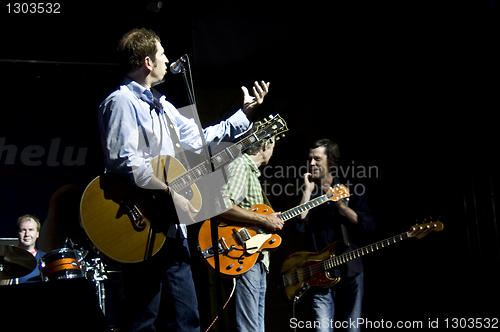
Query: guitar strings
x,y
299,274
219,159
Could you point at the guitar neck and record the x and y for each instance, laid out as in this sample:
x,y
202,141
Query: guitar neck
x,y
233,151
304,207
344,258
220,159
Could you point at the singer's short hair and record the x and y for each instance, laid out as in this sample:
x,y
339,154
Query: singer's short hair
x,y
135,46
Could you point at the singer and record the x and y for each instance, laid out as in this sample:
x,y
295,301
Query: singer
x,y
136,124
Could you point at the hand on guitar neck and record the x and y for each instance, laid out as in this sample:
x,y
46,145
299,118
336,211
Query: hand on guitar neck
x,y
270,221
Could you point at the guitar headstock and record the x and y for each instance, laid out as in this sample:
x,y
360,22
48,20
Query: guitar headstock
x,y
274,126
419,231
338,192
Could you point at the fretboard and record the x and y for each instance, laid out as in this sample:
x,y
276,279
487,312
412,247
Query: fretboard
x,y
344,258
220,159
304,207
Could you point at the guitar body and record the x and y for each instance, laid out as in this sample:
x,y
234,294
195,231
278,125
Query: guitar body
x,y
300,271
123,221
167,168
239,243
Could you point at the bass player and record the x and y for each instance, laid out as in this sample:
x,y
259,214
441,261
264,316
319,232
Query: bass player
x,y
335,221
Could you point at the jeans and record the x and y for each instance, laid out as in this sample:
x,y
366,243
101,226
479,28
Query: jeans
x,y
250,297
159,293
348,298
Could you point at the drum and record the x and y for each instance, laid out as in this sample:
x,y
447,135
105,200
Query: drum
x,y
62,263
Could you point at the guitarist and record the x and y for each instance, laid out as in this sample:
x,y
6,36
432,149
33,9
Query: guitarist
x,y
334,221
243,192
137,123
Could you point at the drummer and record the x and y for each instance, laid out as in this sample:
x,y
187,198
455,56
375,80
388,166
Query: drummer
x,y
28,230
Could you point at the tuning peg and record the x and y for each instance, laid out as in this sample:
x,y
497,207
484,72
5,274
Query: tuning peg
x,y
271,117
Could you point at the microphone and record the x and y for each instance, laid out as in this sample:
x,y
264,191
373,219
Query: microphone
x,y
178,66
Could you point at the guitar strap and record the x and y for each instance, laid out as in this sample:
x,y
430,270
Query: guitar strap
x,y
176,142
266,200
345,235
175,230
343,228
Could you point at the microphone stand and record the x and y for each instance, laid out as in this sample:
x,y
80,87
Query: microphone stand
x,y
188,84
214,225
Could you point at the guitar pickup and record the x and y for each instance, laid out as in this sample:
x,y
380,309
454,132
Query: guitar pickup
x,y
221,248
242,236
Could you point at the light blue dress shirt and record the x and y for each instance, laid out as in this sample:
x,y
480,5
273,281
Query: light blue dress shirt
x,y
133,132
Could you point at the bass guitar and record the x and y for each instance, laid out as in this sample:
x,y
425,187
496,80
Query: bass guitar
x,y
239,244
124,221
304,270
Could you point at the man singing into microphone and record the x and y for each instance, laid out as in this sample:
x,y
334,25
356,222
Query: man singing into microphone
x,y
137,124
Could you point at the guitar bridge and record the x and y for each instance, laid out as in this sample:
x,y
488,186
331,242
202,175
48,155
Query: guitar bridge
x,y
134,214
221,248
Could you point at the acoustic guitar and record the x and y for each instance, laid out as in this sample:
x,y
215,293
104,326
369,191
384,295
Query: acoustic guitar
x,y
303,270
127,223
239,244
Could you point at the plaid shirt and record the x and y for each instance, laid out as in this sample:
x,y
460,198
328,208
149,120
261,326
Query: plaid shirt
x,y
244,189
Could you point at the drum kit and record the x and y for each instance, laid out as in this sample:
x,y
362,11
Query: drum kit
x,y
63,263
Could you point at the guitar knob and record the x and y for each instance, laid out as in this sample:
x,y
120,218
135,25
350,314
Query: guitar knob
x,y
229,267
239,268
272,241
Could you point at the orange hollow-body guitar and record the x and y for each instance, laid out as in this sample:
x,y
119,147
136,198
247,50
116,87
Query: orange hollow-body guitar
x,y
239,244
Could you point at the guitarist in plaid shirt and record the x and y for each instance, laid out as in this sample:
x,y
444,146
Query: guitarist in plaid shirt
x,y
244,191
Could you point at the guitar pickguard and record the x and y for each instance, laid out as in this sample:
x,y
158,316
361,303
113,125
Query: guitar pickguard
x,y
254,243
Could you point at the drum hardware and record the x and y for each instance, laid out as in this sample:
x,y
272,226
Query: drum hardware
x,y
69,262
99,276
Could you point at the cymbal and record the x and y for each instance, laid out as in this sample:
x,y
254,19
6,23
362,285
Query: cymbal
x,y
15,262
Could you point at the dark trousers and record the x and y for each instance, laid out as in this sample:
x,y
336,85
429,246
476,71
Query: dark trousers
x,y
159,294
